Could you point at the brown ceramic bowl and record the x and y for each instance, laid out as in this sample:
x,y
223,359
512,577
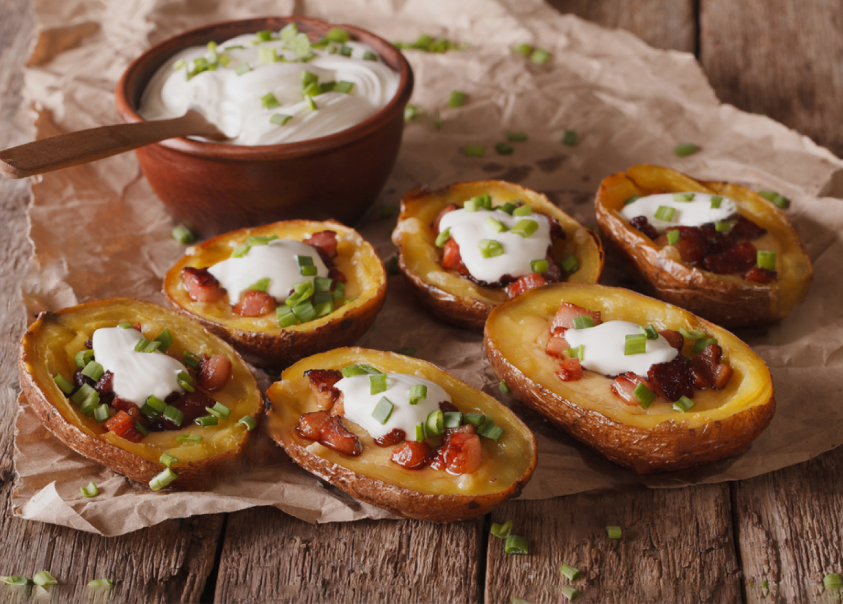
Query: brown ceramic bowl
x,y
213,187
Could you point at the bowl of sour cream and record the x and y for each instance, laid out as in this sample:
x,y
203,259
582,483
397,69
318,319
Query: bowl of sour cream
x,y
314,113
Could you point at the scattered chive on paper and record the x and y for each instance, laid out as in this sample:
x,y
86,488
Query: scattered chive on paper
x,y
183,235
411,112
516,137
522,49
457,99
777,199
539,56
474,150
570,138
685,149
504,149
90,490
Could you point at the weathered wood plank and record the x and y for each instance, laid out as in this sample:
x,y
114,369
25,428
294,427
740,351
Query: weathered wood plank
x,y
268,556
677,546
662,24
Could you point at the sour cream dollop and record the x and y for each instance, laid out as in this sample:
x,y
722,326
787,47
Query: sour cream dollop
x,y
276,261
136,375
604,344
359,404
469,228
234,102
693,213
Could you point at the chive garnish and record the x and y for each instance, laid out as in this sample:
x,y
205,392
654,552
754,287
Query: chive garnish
x,y
766,259
457,99
191,359
44,578
508,207
540,56
63,384
383,410
516,137
570,138
418,392
267,55
434,425
496,225
685,149
173,415
571,572
577,352
279,119
721,226
370,56
489,248
406,351
778,200
153,407
631,199
345,50
125,326
82,358
249,422
569,592
167,459
344,87
183,235
411,112
453,419
703,343
504,149
501,531
503,387
715,201
475,419
570,264
353,370
691,334
144,345
189,439
264,35
490,430
583,322
285,316
522,49
311,104
206,420
644,395
684,197
613,532
650,332
665,213
635,344
325,308
525,227
673,236
833,580
443,237
516,545
683,404
474,150
163,479
100,583
90,490
420,435
242,68
377,383
338,35
304,311
326,87
101,413
525,210
86,397
269,101
539,266
219,410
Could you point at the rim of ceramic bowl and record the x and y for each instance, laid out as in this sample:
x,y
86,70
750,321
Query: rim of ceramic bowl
x,y
154,57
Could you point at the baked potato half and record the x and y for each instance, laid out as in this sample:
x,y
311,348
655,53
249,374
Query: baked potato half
x,y
48,348
261,340
425,494
728,300
453,297
721,424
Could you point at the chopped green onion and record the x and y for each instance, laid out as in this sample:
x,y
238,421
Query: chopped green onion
x,y
644,395
153,407
504,149
269,101
167,459
525,227
267,55
141,428
508,207
406,350
90,490
683,197
569,592
490,430
489,248
420,435
345,50
323,284
44,578
453,419
417,393
100,583
570,138
715,201
370,56
63,384
685,149
577,352
233,47
613,532
443,237
665,213
179,64
635,344
125,326
144,345
475,419
344,87
326,87
311,104
242,68
323,309
683,404
673,236
183,235
189,439
185,381
311,90
721,226
377,383
304,311
778,200
279,119
339,291
411,112
539,266
15,580
82,358
474,150
583,322
191,359
501,531
766,259
503,387
338,35
516,545
457,99
166,339
249,422
522,49
516,137
484,200
219,410
631,199
691,334
353,370
173,415
101,413
434,425
206,420
163,479
650,332
85,393
264,35
496,225
833,580
570,264
571,572
383,410
540,57
703,343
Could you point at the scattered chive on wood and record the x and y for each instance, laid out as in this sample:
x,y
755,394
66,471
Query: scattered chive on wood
x,y
569,592
613,532
411,112
16,580
833,581
44,578
685,149
501,531
100,583
571,572
516,545
474,150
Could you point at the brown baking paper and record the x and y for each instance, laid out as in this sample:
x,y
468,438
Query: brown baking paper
x,y
99,231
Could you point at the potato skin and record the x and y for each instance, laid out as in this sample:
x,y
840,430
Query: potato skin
x,y
69,427
454,298
384,492
262,342
728,301
679,442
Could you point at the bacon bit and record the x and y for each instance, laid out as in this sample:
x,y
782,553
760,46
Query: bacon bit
x,y
722,375
325,243
339,407
674,338
412,455
135,326
392,438
254,304
451,258
213,373
201,285
336,436
554,272
690,246
89,344
447,407
738,259
525,283
80,379
322,382
104,385
435,226
569,370
556,346
624,386
700,381
461,453
192,404
310,424
643,225
672,380
337,275
564,318
123,426
760,275
746,230
708,364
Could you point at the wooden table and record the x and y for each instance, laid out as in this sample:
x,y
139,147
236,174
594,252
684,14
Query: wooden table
x,y
769,539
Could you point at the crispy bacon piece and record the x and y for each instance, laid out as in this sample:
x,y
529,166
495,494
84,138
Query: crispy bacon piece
x,y
392,438
690,245
201,285
213,373
738,259
104,385
325,243
336,436
674,338
123,426
643,225
624,386
192,404
451,258
322,382
446,407
569,370
135,326
708,364
672,380
254,304
516,288
310,424
412,455
131,409
564,318
745,230
760,275
554,272
448,208
461,452
556,346
337,275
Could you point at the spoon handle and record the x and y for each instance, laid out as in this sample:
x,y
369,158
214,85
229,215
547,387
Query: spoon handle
x,y
84,146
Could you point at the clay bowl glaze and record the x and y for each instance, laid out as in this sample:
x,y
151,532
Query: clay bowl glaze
x,y
217,187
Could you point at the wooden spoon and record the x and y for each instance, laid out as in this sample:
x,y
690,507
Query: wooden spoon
x,y
81,147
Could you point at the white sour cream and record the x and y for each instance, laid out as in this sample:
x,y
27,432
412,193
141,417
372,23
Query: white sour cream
x,y
468,228
275,261
692,213
603,349
233,102
359,404
136,375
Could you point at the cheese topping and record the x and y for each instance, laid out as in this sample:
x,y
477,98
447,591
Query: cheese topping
x,y
359,403
603,349
275,261
136,375
469,228
693,213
